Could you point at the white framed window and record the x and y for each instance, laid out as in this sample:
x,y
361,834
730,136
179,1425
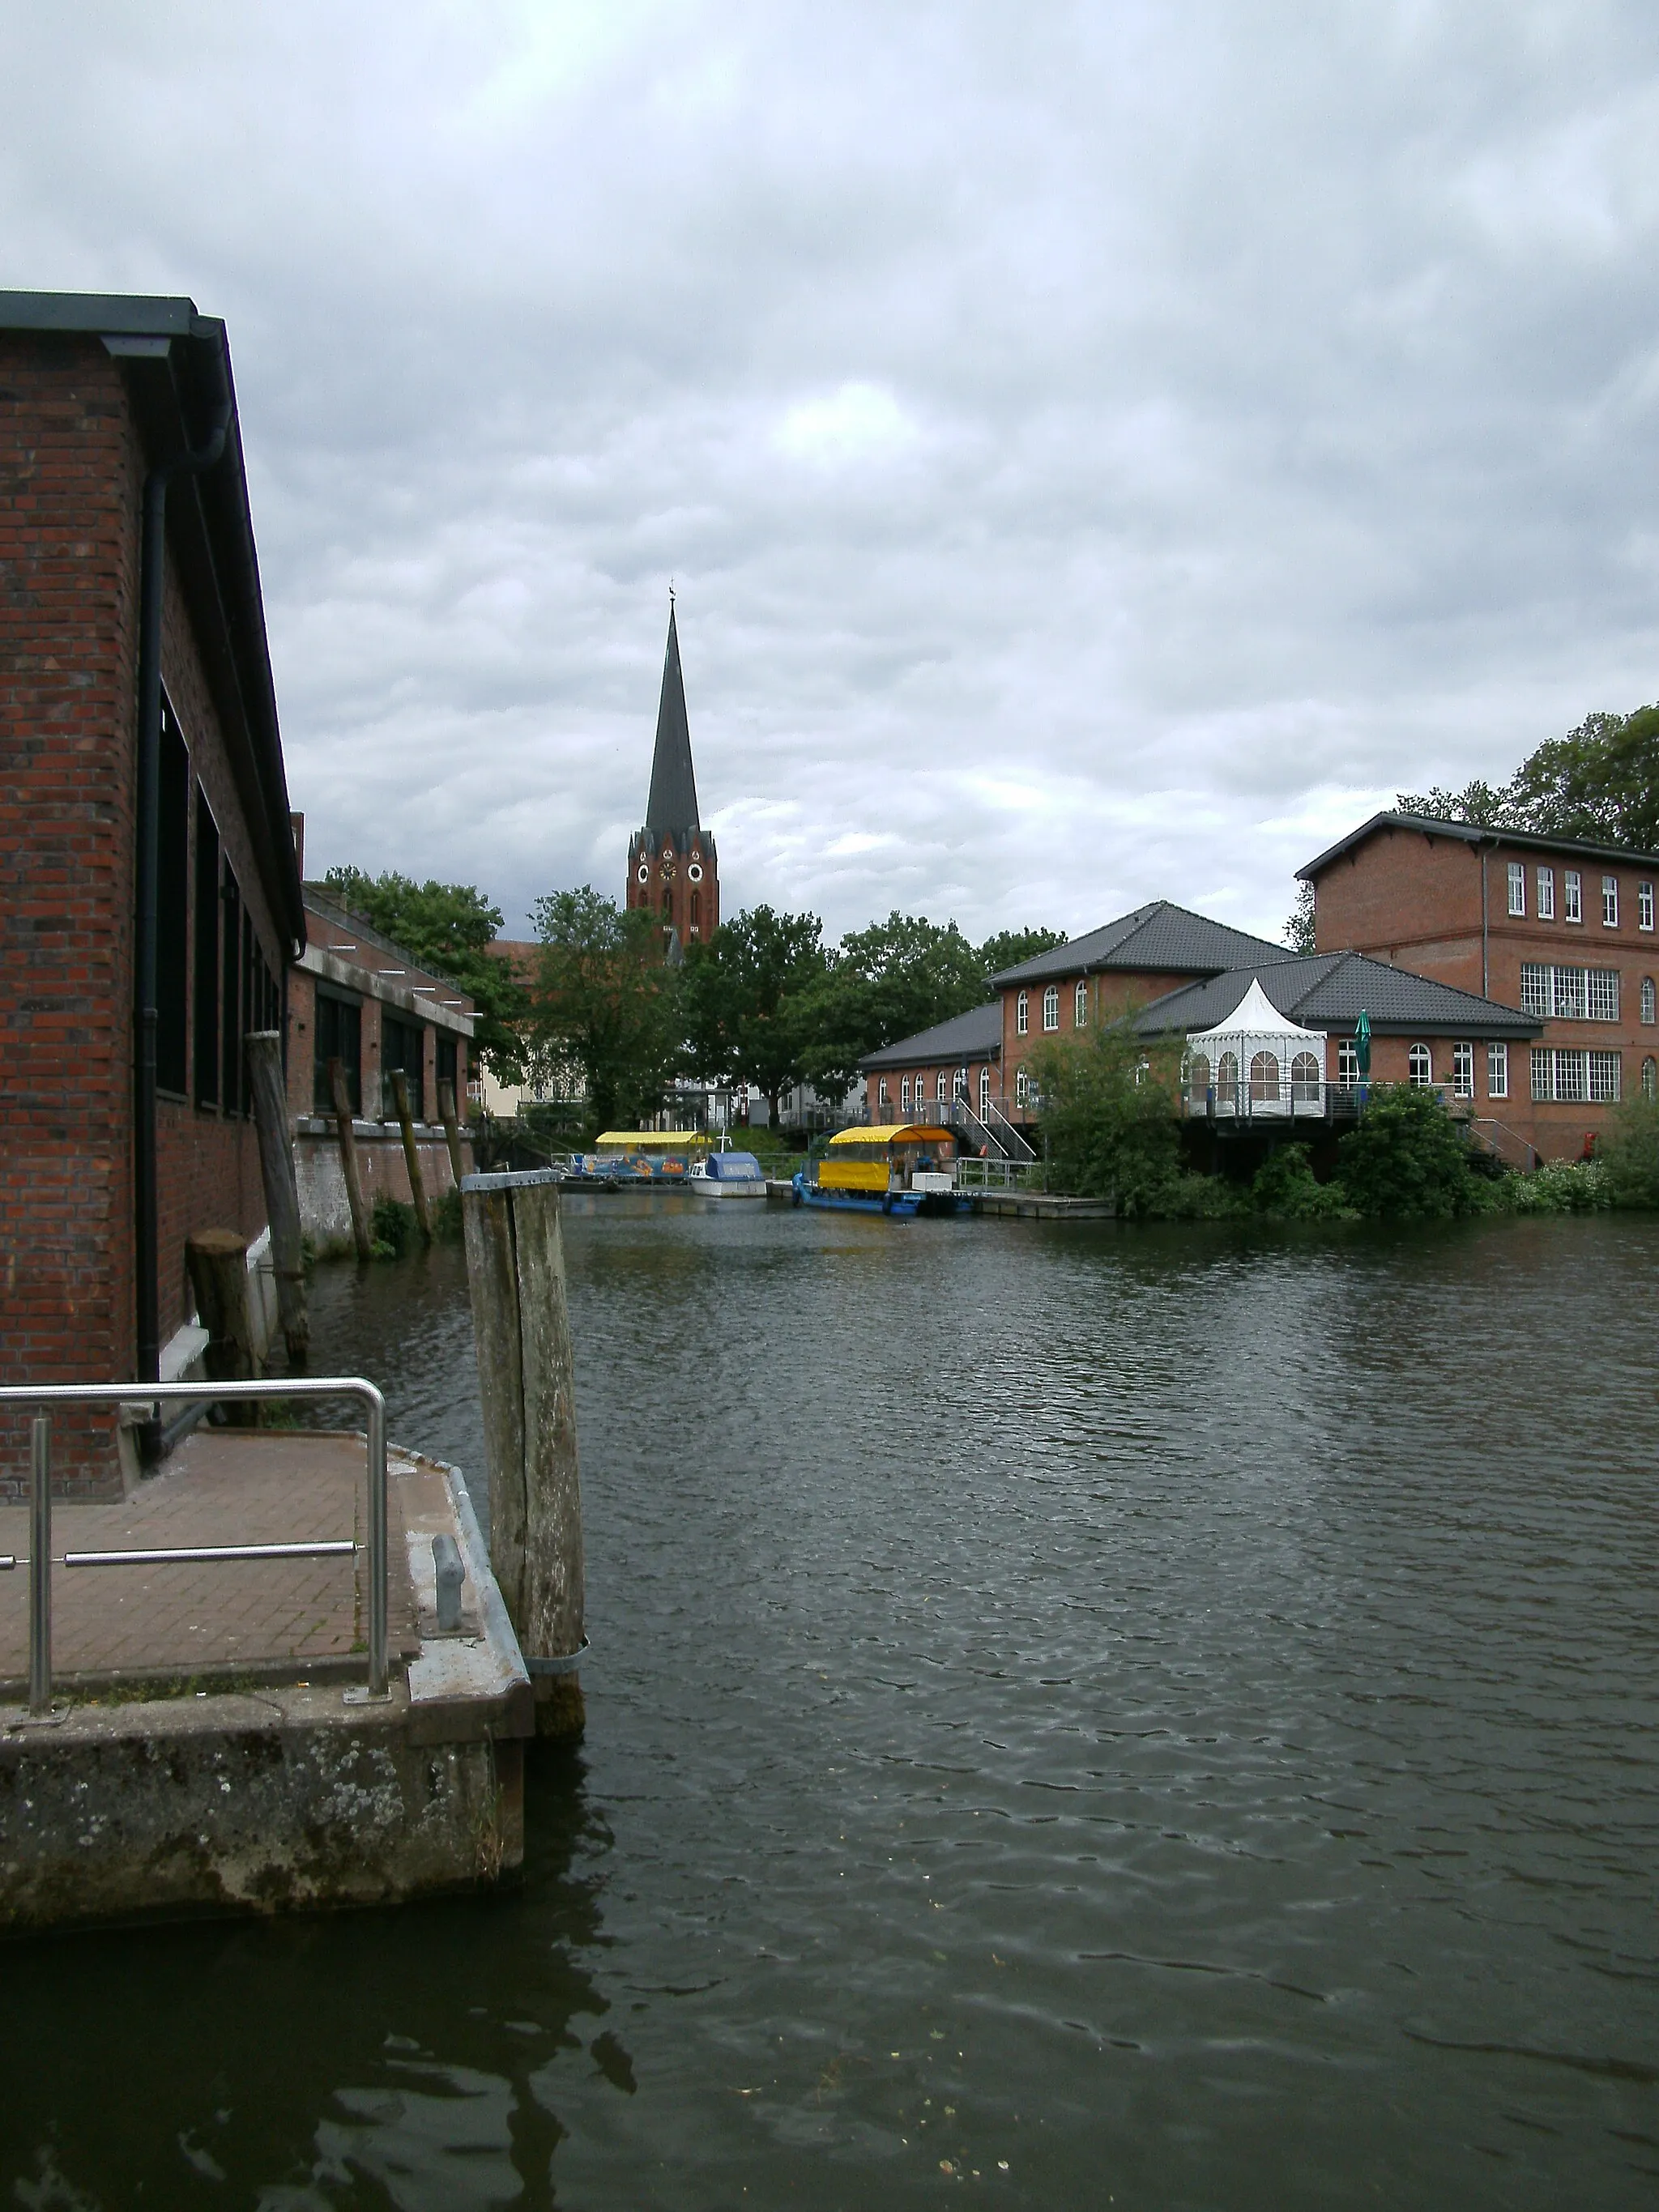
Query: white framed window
x,y
1420,1062
1051,1007
1604,1078
1462,1071
1644,906
1543,1082
1572,894
1534,988
1305,1079
884,1097
1080,1006
1347,1060
1610,901
1648,1007
1518,888
1576,1078
1022,1086
939,1089
1569,995
1602,994
984,1089
1650,1078
904,1095
959,1083
1497,1070
1547,894
1022,1013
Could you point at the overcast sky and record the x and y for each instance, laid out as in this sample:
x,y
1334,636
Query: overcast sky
x,y
1103,453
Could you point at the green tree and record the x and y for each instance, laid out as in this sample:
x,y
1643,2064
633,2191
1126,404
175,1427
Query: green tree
x,y
1629,1152
1009,947
744,995
1477,802
1600,782
606,998
883,983
1409,1160
1110,1122
1299,927
448,928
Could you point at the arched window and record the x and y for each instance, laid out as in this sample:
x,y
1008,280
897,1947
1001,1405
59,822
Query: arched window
x,y
1080,1006
984,1089
1420,1061
1650,1078
904,1094
1197,1079
882,1098
697,913
1051,1007
1022,1084
1647,998
1226,1079
1304,1080
1264,1079
938,1087
959,1083
1023,1012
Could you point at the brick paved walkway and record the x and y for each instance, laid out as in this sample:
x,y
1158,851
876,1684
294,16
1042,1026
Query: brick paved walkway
x,y
220,1487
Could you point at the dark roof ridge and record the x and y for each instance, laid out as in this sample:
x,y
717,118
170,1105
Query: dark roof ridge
x,y
1473,832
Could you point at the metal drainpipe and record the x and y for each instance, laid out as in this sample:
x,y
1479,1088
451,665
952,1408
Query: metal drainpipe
x,y
1486,960
151,593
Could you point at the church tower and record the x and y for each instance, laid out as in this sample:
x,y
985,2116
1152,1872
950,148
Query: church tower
x,y
671,866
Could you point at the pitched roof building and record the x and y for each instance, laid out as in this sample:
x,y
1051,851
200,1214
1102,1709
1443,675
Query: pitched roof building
x,y
673,867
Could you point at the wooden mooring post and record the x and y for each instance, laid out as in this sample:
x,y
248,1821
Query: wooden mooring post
x,y
447,1114
362,1234
521,1329
412,1154
217,1259
264,1061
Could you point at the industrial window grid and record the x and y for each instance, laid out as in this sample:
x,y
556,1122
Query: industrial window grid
x,y
1463,1070
1569,995
1547,894
1497,1070
1518,888
1051,1007
1610,901
1420,1063
1644,906
1572,894
1574,1076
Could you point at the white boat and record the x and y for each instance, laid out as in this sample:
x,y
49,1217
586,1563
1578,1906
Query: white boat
x,y
727,1174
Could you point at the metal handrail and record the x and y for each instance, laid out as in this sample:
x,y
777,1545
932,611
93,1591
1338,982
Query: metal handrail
x,y
157,1394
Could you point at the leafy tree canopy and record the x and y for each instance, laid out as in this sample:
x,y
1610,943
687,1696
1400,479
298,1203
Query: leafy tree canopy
x,y
604,998
1300,924
746,997
1109,1123
1009,947
885,982
1600,782
448,927
1407,1159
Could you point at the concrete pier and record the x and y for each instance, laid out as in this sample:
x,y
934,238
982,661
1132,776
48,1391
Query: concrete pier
x,y
210,1748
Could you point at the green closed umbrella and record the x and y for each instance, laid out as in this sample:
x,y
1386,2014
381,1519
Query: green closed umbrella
x,y
1361,1037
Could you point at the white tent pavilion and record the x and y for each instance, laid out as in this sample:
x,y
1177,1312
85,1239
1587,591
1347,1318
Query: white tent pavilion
x,y
1257,1063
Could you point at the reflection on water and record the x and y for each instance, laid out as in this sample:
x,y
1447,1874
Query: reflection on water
x,y
1154,1717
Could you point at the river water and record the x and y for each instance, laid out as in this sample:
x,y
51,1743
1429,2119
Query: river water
x,y
1079,1716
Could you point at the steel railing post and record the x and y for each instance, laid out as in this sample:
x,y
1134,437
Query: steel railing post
x,y
40,1564
377,1548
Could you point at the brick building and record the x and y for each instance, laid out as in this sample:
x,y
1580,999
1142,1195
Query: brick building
x,y
151,897
1562,931
957,1059
357,997
672,868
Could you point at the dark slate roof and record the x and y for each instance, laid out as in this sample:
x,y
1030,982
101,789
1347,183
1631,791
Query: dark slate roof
x,y
975,1035
1161,936
1330,991
673,803
1470,833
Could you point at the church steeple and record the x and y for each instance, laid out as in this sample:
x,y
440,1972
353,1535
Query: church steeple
x,y
673,801
672,865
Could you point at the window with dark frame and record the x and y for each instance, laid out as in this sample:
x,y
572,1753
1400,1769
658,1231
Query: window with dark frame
x,y
206,961
230,1007
338,1035
172,911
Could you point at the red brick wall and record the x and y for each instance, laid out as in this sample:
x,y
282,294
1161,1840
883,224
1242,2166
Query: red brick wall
x,y
1108,996
71,473
896,1077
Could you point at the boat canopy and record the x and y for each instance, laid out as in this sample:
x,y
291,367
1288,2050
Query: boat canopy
x,y
906,1133
652,1140
734,1167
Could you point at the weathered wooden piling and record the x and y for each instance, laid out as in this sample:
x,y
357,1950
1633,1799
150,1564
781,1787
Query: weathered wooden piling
x,y
217,1259
362,1234
521,1329
447,1115
264,1061
412,1154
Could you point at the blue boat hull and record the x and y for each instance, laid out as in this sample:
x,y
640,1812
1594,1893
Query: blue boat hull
x,y
897,1204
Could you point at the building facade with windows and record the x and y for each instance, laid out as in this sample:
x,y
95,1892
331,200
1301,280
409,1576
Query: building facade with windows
x,y
920,1075
149,890
1561,930
672,866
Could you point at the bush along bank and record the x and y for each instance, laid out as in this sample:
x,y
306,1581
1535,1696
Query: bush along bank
x,y
1112,1128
